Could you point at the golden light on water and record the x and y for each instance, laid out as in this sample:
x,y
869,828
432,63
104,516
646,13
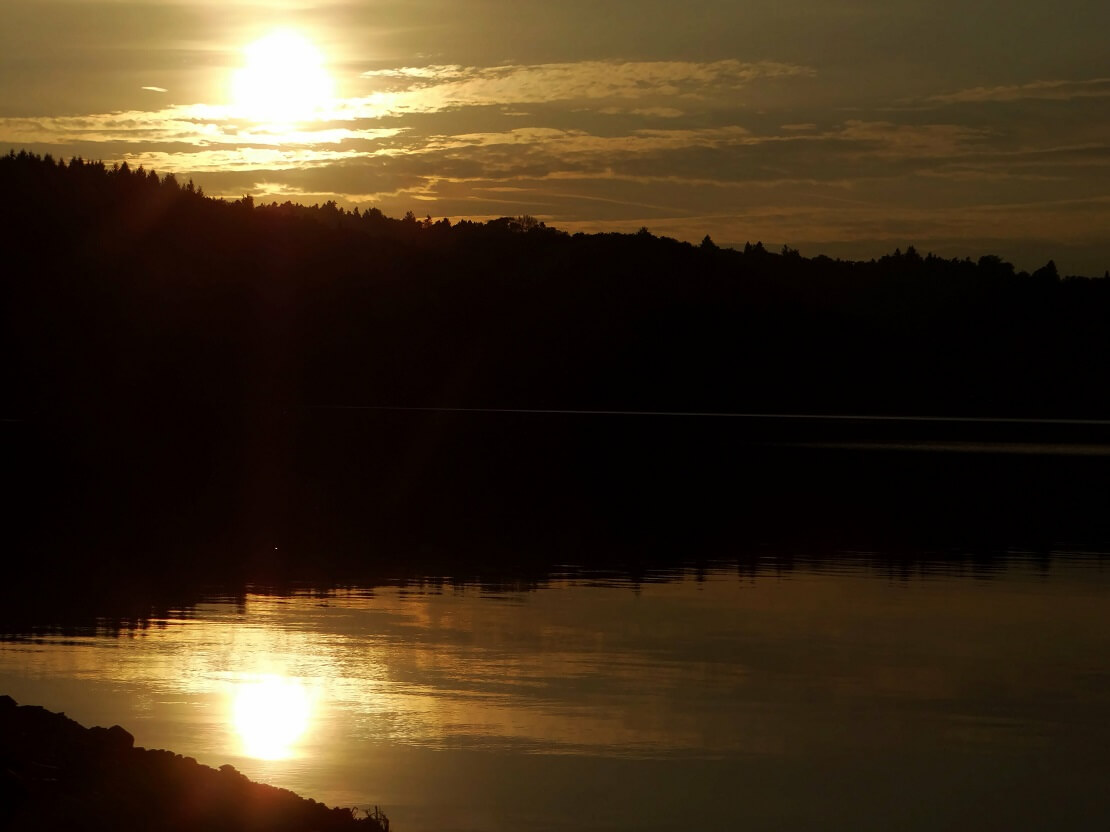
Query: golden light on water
x,y
271,714
284,80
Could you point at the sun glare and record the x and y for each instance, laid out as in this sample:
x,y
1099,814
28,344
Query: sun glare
x,y
283,80
270,715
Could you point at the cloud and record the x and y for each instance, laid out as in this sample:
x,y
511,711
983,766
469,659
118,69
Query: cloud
x,y
646,112
432,88
565,142
239,159
1043,90
886,139
155,89
194,124
1059,164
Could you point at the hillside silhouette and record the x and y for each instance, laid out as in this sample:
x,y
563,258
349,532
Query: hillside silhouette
x,y
123,285
57,775
180,369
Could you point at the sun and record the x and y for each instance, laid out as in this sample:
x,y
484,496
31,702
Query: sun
x,y
283,80
270,715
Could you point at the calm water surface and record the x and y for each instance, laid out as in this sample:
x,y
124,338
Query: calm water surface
x,y
850,696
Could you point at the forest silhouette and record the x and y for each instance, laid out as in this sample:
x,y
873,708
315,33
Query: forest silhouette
x,y
123,285
182,369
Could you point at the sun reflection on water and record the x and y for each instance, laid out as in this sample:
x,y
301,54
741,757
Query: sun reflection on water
x,y
270,714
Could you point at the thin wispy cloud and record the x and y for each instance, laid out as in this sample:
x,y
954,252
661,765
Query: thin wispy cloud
x,y
649,112
884,138
195,124
432,88
240,159
556,142
1042,90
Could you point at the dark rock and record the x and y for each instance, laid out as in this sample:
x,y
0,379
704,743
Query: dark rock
x,y
56,774
112,740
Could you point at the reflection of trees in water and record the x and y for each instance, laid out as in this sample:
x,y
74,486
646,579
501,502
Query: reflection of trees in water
x,y
58,611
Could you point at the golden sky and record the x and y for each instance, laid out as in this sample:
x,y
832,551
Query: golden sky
x,y
846,127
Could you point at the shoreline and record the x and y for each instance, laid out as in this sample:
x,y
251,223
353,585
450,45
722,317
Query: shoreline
x,y
58,774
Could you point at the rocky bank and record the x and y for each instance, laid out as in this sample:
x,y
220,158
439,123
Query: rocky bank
x,y
56,774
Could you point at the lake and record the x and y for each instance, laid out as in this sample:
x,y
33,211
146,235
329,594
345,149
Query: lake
x,y
771,691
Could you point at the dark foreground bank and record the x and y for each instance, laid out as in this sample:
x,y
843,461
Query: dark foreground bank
x,y
56,774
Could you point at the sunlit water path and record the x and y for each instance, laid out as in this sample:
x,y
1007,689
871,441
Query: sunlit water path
x,y
846,696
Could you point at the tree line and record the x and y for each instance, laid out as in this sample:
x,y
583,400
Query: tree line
x,y
121,283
